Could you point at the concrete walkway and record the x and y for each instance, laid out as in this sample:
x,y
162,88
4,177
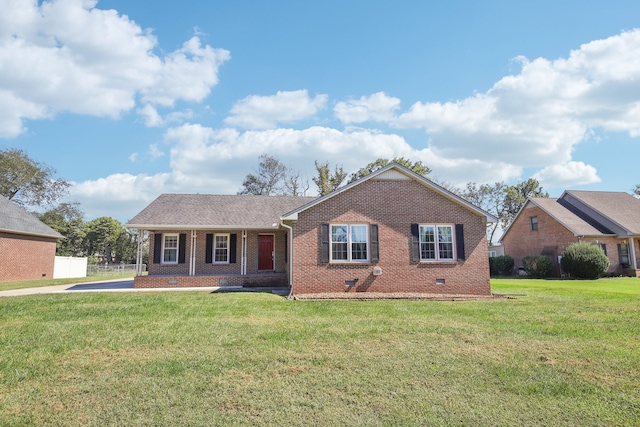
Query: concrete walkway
x,y
126,285
122,285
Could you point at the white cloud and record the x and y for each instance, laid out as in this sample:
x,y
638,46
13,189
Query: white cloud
x,y
536,118
266,112
119,195
206,160
133,157
155,152
150,116
69,56
377,107
530,120
567,175
188,74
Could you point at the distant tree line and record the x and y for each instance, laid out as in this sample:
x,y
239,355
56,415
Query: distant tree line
x,y
104,239
499,199
33,185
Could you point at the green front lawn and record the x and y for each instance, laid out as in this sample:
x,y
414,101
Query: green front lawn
x,y
567,353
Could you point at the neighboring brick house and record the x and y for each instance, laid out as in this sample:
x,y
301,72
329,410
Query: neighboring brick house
x,y
547,226
390,231
27,245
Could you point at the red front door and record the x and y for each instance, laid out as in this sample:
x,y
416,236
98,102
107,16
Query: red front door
x,y
265,252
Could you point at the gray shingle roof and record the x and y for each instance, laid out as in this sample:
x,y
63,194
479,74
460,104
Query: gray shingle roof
x,y
621,208
215,211
15,219
568,217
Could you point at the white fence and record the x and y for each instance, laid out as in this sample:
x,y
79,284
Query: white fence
x,y
112,270
65,267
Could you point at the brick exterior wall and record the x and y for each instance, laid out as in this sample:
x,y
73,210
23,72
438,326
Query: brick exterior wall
x,y
551,239
394,206
26,257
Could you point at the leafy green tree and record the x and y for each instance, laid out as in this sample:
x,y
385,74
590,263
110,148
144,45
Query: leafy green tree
x,y
101,238
27,182
418,167
517,196
328,181
636,190
490,198
66,219
502,201
268,179
125,248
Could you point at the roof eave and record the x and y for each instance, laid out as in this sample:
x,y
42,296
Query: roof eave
x,y
623,227
275,226
27,233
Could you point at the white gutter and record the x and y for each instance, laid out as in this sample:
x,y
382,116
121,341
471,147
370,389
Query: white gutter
x,y
290,261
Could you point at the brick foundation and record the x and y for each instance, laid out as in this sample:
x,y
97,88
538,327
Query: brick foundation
x,y
174,281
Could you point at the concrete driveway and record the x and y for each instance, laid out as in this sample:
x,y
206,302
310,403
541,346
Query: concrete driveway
x,y
123,285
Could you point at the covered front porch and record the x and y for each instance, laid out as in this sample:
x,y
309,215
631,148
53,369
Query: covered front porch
x,y
214,258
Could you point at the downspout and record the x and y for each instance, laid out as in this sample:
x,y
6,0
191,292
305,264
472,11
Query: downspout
x,y
290,261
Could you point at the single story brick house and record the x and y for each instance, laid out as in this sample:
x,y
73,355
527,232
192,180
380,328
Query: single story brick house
x,y
547,226
27,245
390,231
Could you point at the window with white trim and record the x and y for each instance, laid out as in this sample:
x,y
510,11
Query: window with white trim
x,y
436,242
170,249
349,242
221,248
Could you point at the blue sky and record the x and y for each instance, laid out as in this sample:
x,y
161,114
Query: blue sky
x,y
128,100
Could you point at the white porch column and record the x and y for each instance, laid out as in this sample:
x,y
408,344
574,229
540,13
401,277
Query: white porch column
x,y
192,258
139,253
632,254
243,254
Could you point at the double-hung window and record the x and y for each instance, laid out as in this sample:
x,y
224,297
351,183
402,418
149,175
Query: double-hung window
x,y
623,253
221,248
170,249
349,242
436,242
533,222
